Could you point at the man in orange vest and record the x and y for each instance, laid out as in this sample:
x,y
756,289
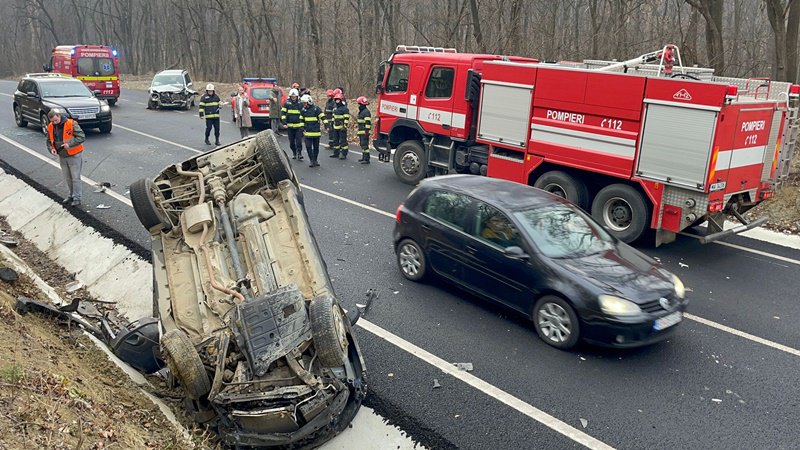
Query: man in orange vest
x,y
65,140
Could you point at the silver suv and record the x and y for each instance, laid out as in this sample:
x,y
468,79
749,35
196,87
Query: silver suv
x,y
251,327
171,88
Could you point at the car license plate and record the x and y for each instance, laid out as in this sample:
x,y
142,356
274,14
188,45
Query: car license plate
x,y
87,116
667,321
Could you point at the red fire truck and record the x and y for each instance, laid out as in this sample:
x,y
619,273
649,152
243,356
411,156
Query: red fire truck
x,y
96,65
641,144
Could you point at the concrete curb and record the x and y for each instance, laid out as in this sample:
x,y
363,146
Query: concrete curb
x,y
109,271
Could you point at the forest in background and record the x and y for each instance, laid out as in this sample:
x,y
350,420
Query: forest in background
x,y
341,42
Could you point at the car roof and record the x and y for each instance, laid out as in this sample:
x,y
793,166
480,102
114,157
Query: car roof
x,y
55,80
171,72
500,193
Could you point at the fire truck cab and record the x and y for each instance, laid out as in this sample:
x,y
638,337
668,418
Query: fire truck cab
x,y
96,65
639,145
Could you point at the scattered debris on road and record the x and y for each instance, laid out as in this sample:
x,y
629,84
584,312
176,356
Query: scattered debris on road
x,y
683,265
436,384
584,422
102,206
467,367
72,287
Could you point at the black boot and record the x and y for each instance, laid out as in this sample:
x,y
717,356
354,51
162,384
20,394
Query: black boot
x,y
216,142
208,142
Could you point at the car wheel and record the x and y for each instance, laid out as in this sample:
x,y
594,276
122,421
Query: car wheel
x,y
329,331
185,363
105,128
565,186
43,122
112,101
152,105
411,260
273,158
410,162
22,123
622,210
144,206
556,322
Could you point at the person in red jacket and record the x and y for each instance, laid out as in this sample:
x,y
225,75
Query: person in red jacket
x,y
65,140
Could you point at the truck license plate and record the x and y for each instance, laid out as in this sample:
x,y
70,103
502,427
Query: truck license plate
x,y
667,321
87,116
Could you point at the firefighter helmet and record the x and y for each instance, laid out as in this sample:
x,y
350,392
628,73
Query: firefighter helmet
x,y
362,100
338,96
293,93
295,85
306,99
210,87
329,92
338,91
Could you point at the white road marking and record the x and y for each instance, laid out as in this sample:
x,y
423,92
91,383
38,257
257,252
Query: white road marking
x,y
347,200
759,252
141,103
157,138
748,336
7,95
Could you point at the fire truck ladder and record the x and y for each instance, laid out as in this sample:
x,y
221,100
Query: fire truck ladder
x,y
784,162
666,58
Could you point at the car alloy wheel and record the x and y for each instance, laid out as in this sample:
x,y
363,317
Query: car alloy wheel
x,y
556,322
411,260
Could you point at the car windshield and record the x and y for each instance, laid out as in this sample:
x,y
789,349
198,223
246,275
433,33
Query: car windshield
x,y
164,79
560,230
74,88
260,93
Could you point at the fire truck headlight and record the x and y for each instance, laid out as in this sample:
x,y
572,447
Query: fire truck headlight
x,y
616,306
680,289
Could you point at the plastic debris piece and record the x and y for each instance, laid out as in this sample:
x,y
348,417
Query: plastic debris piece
x,y
102,206
7,239
8,275
72,287
583,359
464,366
683,265
436,384
584,422
717,400
390,375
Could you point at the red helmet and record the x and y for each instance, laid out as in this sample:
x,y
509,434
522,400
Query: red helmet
x,y
337,91
362,100
338,96
295,85
329,92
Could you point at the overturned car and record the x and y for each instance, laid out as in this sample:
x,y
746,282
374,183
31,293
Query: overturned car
x,y
252,330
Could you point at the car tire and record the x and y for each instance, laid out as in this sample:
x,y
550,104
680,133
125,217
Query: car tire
x,y
410,162
565,186
273,158
112,101
105,128
22,123
622,210
329,331
411,260
556,322
144,206
152,105
185,364
43,122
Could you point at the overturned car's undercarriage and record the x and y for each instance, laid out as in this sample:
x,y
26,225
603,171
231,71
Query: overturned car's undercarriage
x,y
252,330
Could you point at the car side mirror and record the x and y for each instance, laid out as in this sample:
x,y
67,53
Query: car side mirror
x,y
379,89
96,92
46,68
515,252
31,95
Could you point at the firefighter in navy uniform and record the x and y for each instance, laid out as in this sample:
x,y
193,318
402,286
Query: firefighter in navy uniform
x,y
290,117
341,117
364,128
329,105
312,121
209,110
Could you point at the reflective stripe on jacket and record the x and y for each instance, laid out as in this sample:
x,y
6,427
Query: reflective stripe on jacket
x,y
312,117
341,117
364,121
72,136
209,106
330,105
290,114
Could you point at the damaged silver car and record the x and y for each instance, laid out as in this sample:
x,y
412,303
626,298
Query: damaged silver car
x,y
171,89
252,329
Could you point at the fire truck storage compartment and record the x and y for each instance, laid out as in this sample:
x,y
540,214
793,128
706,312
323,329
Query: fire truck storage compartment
x,y
676,145
505,113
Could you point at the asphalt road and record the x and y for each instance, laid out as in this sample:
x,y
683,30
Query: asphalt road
x,y
705,387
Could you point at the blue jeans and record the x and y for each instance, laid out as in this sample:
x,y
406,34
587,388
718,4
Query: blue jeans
x,y
71,167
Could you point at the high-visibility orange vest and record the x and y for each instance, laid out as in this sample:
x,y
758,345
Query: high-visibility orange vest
x,y
68,132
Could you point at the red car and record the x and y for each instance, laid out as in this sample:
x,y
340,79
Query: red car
x,y
258,90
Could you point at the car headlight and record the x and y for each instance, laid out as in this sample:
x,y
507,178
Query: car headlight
x,y
680,289
616,306
105,108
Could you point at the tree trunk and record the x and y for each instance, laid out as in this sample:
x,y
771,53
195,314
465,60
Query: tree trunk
x,y
476,26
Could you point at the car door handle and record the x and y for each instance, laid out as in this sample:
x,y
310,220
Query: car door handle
x,y
425,227
471,250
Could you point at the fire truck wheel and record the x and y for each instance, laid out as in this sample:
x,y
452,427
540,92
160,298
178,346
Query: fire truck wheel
x,y
565,186
410,162
622,210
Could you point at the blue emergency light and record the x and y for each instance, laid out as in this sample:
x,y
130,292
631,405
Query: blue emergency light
x,y
257,79
71,52
114,52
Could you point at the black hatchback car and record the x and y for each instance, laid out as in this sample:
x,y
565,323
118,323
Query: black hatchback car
x,y
38,93
539,255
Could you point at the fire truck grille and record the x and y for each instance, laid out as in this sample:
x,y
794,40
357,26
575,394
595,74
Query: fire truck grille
x,y
82,111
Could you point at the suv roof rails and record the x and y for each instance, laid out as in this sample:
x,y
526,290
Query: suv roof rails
x,y
47,75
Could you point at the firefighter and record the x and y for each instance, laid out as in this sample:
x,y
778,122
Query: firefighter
x,y
290,116
209,110
312,120
341,117
65,140
364,129
329,105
